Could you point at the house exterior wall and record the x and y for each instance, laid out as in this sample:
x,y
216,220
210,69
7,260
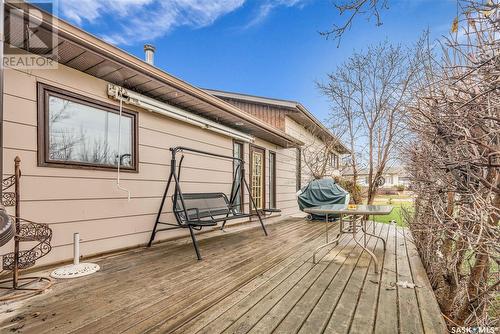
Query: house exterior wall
x,y
278,117
88,201
298,131
272,115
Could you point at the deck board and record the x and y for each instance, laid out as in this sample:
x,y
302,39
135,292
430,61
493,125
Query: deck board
x,y
386,319
344,312
428,305
366,307
247,283
409,320
326,269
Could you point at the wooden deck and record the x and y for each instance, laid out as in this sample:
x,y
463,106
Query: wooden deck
x,y
247,283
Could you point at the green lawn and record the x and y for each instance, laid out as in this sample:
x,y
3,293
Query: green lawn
x,y
394,197
397,212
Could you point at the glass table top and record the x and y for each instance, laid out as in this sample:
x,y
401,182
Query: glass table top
x,y
353,210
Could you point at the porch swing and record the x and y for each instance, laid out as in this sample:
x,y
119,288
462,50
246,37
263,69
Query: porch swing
x,y
197,210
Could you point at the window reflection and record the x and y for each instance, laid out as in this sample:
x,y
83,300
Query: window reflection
x,y
238,153
82,133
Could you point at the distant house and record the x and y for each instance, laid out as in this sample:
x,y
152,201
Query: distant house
x,y
393,177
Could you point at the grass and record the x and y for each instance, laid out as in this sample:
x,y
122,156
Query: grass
x,y
395,197
397,212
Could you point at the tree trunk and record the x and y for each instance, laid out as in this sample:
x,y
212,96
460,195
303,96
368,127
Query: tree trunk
x,y
474,289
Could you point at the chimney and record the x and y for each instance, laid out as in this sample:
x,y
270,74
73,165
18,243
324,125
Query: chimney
x,y
149,52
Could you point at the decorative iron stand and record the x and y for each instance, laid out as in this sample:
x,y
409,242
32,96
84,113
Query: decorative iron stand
x,y
25,231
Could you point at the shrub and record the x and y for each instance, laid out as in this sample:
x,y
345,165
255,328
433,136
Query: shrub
x,y
351,187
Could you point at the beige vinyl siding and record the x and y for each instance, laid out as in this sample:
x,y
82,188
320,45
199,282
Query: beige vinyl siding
x,y
298,131
88,201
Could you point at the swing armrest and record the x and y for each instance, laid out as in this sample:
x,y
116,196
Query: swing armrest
x,y
196,210
271,210
188,219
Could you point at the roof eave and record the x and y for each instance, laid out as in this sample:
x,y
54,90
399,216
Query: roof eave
x,y
292,106
342,148
106,50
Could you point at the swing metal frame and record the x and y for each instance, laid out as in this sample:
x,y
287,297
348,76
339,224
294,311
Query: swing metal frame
x,y
194,218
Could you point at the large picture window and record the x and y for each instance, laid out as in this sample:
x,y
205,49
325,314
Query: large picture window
x,y
76,132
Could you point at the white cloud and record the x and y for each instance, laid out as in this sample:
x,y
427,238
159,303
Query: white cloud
x,y
268,6
145,20
89,10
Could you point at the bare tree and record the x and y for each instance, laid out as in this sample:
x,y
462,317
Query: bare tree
x,y
95,150
63,141
354,8
454,161
317,154
344,123
367,95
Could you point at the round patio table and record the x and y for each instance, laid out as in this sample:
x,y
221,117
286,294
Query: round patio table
x,y
356,218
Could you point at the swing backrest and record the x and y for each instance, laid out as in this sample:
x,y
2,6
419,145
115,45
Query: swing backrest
x,y
202,206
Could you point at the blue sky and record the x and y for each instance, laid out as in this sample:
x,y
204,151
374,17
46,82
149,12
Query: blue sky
x,y
269,47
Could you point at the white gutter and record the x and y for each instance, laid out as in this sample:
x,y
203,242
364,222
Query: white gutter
x,y
152,105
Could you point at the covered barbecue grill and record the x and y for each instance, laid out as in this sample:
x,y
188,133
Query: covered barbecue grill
x,y
321,192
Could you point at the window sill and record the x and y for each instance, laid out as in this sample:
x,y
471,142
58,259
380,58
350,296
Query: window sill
x,y
86,167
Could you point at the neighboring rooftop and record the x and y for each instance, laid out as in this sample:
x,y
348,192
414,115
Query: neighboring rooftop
x,y
295,110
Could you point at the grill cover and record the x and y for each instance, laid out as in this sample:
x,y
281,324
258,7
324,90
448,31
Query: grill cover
x,y
7,228
321,192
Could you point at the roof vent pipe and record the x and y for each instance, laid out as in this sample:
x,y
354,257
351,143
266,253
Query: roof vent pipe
x,y
149,52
